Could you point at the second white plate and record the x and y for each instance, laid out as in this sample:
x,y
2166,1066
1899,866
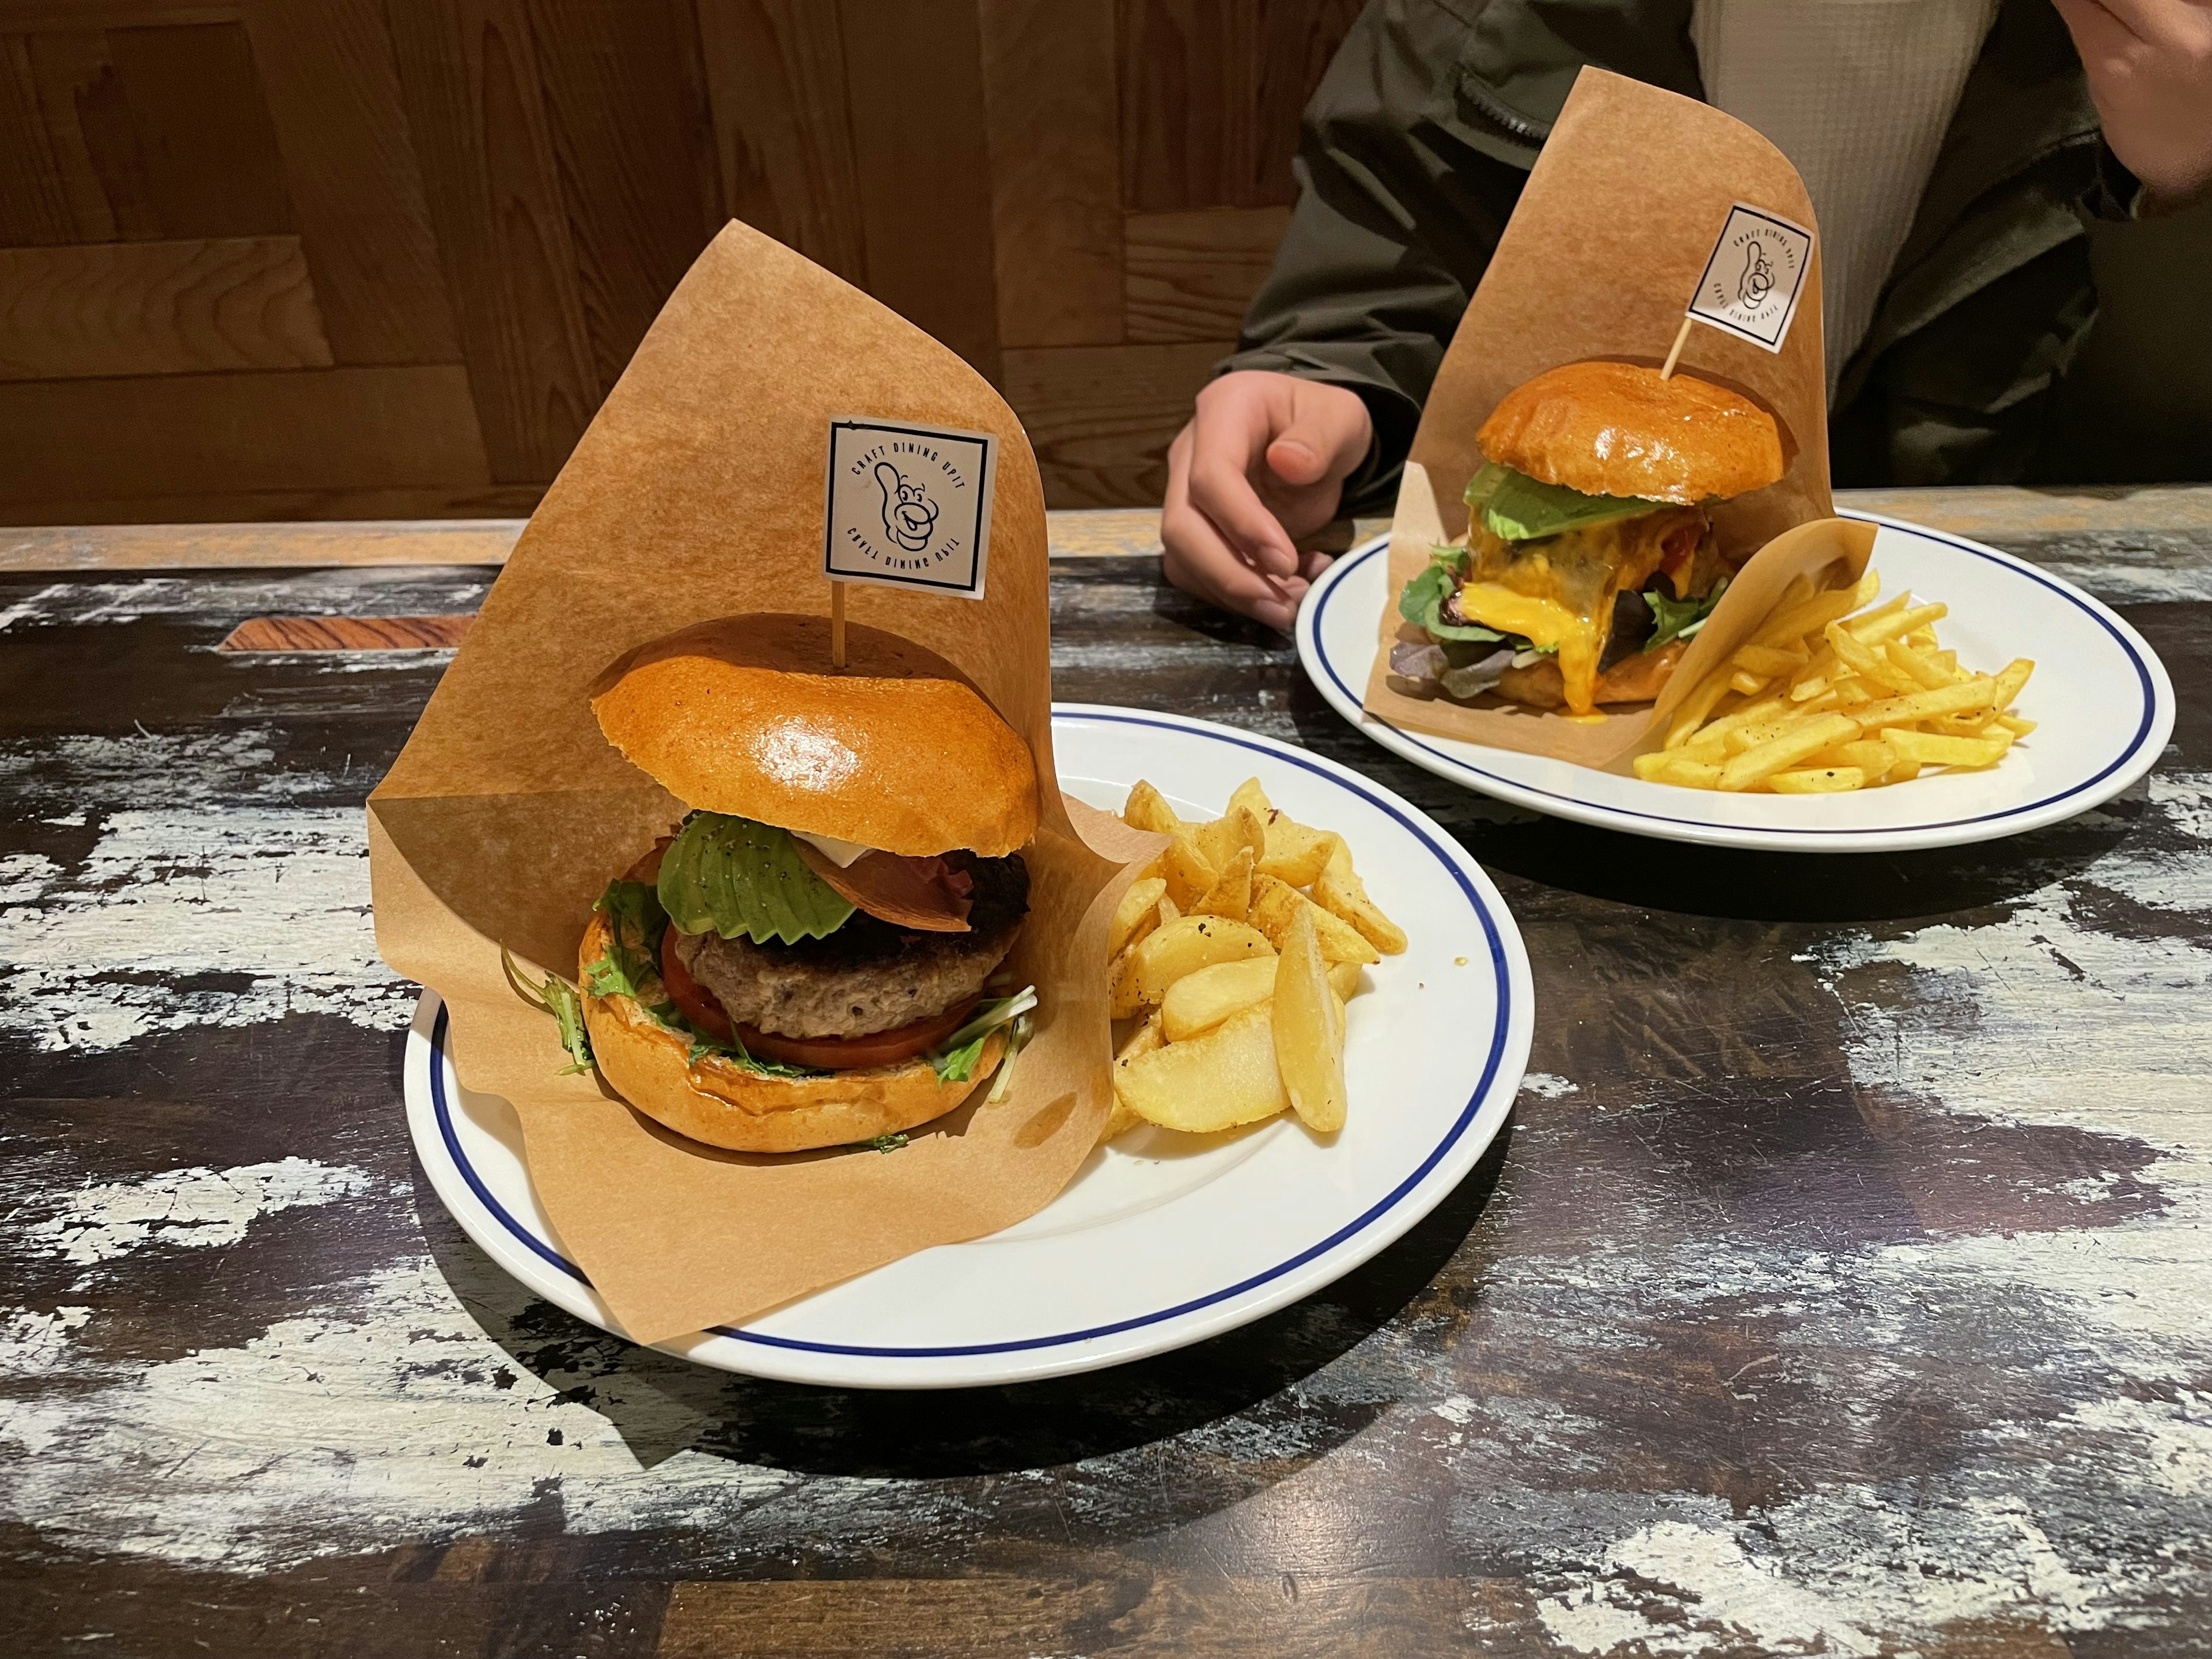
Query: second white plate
x,y
1161,1239
2101,696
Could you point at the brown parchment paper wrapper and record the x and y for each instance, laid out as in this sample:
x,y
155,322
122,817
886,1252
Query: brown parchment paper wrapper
x,y
1601,255
697,492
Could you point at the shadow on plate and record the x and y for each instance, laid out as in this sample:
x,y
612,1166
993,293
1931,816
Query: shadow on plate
x,y
661,1405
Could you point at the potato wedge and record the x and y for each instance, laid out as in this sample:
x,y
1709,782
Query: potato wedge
x,y
1146,809
1343,979
1230,895
1226,1078
1339,891
1273,905
1309,1030
1124,1118
1198,1002
1189,873
1121,985
1249,793
1295,853
1135,916
1185,945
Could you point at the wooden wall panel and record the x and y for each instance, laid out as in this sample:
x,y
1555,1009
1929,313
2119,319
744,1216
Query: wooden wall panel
x,y
331,428
775,78
1055,170
913,76
349,167
122,308
635,144
316,257
1101,417
1190,275
469,70
202,131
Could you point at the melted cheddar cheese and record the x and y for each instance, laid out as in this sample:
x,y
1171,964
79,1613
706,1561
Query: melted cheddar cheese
x,y
1558,591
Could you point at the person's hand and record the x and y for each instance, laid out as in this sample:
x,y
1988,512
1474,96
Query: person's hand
x,y
1263,462
2150,72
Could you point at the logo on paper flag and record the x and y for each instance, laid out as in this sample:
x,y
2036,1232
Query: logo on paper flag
x,y
909,506
1754,277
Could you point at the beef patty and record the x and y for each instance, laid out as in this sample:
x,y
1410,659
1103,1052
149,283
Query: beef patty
x,y
869,976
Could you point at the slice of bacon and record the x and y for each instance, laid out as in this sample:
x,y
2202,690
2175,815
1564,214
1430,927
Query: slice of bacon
x,y
928,895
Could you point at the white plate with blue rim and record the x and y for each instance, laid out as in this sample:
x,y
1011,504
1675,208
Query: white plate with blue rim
x,y
1161,1240
2101,698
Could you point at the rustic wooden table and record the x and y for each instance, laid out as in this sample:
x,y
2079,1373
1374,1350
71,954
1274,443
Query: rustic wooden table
x,y
1843,1286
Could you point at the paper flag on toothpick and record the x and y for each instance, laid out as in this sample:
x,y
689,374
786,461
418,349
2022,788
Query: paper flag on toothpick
x,y
1753,276
909,506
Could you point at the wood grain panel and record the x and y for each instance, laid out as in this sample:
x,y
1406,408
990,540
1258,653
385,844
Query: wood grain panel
x,y
1125,1609
349,167
636,146
775,78
203,505
329,428
255,633
1211,94
1191,275
205,547
210,154
34,208
469,70
92,137
1055,170
157,308
915,81
1101,417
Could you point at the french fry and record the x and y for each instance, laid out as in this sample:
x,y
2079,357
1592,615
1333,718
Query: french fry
x,y
1980,692
1872,756
1697,706
1671,766
1820,781
1770,660
1929,749
1794,622
1307,1025
1868,662
1339,891
2012,680
1275,903
1227,1078
1136,915
1146,810
2013,724
1915,665
1750,685
1230,895
1785,751
1880,630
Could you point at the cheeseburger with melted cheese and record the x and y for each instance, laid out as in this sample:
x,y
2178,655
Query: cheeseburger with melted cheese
x,y
810,959
1590,558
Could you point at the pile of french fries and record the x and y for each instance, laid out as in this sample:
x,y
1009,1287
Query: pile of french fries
x,y
1238,948
1825,700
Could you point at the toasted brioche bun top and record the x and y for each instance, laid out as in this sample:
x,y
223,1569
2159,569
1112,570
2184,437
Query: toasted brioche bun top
x,y
898,751
1618,429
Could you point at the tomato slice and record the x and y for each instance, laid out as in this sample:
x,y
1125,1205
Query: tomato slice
x,y
903,1043
697,1003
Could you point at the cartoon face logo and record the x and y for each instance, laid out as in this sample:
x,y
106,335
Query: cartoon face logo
x,y
1757,279
909,516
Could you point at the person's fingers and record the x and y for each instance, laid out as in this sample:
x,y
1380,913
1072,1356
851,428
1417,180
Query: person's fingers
x,y
1328,436
1310,565
1229,433
1199,561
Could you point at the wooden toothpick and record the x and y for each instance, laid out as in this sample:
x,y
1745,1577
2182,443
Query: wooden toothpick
x,y
1682,339
837,624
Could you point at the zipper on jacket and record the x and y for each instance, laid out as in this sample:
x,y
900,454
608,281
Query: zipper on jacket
x,y
1511,122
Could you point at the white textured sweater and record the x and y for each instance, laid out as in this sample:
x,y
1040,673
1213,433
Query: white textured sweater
x,y
1858,94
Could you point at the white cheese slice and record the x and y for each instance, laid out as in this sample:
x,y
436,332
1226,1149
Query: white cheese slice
x,y
842,854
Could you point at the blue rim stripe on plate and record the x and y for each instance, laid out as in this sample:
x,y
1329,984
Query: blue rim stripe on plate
x,y
1359,1223
2065,592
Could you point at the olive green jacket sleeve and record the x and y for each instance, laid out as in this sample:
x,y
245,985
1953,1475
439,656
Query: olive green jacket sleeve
x,y
1415,146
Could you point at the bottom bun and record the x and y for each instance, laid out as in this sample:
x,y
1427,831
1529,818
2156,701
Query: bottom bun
x,y
725,1104
1639,678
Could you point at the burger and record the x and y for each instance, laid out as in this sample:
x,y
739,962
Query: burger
x,y
815,956
1590,559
